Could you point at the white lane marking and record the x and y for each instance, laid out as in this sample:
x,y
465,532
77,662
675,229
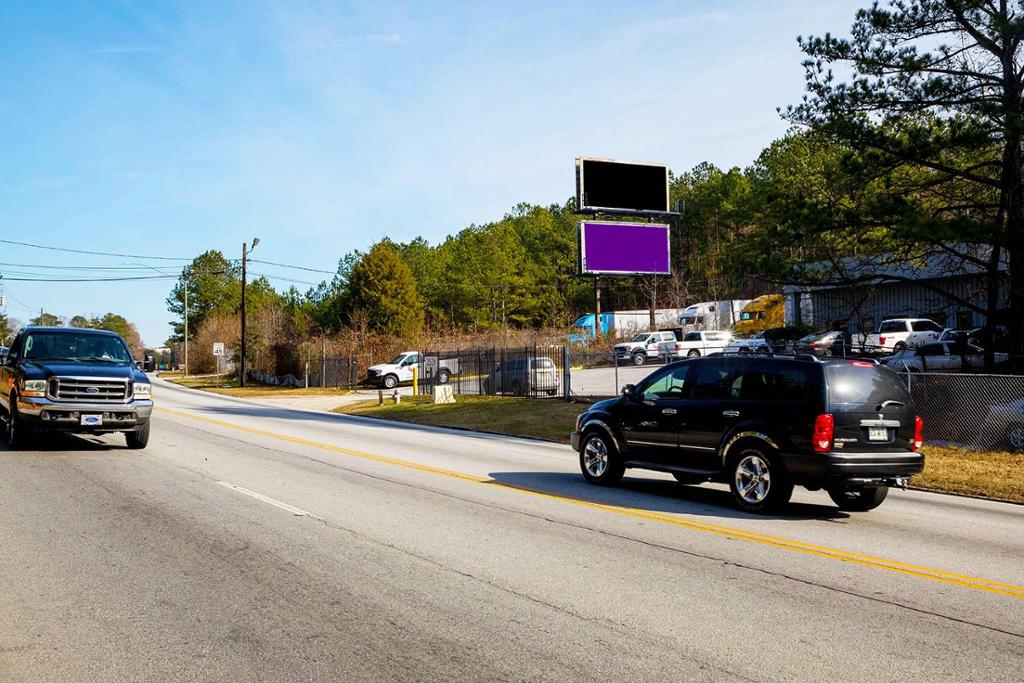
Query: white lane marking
x,y
266,499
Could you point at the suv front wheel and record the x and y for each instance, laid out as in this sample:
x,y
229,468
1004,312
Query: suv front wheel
x,y
757,482
599,460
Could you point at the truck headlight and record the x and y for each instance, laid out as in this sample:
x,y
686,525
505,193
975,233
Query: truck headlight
x,y
143,390
33,387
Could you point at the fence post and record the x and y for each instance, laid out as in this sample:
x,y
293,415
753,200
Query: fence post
x,y
566,374
615,362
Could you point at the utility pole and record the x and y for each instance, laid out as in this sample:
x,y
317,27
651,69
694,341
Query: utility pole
x,y
185,314
241,355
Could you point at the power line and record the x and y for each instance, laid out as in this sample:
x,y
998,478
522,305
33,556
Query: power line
x,y
94,279
49,267
285,265
93,253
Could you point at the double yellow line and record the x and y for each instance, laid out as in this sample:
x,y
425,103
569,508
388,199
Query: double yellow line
x,y
905,568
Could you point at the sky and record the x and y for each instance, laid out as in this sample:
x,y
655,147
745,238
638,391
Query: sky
x,y
164,129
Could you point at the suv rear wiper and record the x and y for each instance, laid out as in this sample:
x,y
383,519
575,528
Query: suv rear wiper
x,y
890,402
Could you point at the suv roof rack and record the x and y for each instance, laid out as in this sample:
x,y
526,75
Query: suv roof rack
x,y
769,354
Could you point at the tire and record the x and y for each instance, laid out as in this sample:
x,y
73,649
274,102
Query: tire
x,y
900,346
757,481
443,376
693,353
599,460
862,500
639,359
16,433
389,381
1015,437
764,349
552,392
139,439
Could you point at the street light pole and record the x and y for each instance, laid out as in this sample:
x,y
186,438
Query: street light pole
x,y
241,355
185,315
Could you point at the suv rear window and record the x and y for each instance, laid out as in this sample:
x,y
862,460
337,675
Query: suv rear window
x,y
864,383
766,382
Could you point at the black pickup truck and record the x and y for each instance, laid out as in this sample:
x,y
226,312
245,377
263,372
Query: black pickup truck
x,y
73,380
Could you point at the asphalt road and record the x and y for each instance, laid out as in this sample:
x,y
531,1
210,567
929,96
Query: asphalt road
x,y
258,543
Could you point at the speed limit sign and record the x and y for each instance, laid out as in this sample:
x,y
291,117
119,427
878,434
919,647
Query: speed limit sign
x,y
218,348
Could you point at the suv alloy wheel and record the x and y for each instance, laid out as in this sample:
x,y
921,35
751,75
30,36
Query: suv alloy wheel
x,y
757,483
599,460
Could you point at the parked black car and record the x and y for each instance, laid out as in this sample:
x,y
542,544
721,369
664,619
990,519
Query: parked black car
x,y
73,380
762,424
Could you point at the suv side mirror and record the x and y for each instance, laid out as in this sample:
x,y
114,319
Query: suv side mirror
x,y
629,391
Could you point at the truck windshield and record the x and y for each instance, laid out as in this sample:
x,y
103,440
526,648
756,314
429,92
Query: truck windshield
x,y
639,337
75,346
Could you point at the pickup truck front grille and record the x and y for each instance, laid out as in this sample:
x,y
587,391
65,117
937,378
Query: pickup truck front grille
x,y
89,390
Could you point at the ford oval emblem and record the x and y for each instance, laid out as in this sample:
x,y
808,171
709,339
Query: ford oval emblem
x,y
92,390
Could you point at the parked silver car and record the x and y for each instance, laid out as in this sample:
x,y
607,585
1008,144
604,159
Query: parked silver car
x,y
1004,425
522,376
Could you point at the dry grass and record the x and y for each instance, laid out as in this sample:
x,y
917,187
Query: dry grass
x,y
947,469
544,419
992,474
229,386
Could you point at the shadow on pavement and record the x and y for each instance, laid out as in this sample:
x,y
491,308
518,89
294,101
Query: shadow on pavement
x,y
60,443
657,495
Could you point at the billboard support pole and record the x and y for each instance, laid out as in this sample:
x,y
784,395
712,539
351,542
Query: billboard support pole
x,y
597,307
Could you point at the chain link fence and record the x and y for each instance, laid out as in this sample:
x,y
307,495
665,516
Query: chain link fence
x,y
530,371
971,410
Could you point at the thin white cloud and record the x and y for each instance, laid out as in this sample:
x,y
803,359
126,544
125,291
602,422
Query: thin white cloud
x,y
125,50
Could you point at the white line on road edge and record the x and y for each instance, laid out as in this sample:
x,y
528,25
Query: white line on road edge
x,y
276,503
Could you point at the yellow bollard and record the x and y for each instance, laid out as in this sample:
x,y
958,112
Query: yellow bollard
x,y
415,380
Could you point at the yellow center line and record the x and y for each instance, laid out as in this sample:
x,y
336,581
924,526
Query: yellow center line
x,y
896,566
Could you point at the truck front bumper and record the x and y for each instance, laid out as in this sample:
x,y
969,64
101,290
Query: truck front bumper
x,y
49,415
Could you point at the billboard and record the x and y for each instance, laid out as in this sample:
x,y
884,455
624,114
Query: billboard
x,y
607,248
626,186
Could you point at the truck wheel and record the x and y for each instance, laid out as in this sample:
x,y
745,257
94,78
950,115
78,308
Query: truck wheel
x,y
442,377
693,353
758,483
599,460
17,433
900,346
137,440
639,358
865,499
390,381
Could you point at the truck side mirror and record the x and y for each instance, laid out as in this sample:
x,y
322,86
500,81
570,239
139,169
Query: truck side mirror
x,y
629,391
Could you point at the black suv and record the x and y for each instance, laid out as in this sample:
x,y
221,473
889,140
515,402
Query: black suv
x,y
73,380
762,424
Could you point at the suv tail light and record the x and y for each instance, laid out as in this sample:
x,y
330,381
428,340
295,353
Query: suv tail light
x,y
678,346
918,433
824,426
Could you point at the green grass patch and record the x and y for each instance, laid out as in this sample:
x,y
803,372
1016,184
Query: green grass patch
x,y
540,418
228,386
992,474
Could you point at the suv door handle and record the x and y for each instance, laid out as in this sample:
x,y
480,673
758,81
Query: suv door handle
x,y
730,413
668,411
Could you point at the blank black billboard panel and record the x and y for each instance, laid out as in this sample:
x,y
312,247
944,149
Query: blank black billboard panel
x,y
621,186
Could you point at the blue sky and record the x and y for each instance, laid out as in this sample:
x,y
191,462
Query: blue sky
x,y
169,128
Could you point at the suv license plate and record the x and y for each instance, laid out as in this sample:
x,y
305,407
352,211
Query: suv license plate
x,y
92,420
878,434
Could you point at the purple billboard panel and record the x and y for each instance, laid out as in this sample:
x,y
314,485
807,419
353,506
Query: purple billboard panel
x,y
623,249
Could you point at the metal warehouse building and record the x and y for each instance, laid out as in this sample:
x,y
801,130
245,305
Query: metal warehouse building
x,y
927,289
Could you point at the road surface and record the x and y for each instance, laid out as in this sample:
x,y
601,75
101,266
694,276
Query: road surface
x,y
260,543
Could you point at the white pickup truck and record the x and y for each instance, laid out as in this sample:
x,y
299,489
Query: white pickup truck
x,y
390,375
695,344
897,334
642,346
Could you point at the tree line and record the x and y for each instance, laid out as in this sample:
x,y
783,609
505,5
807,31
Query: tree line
x,y
912,154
